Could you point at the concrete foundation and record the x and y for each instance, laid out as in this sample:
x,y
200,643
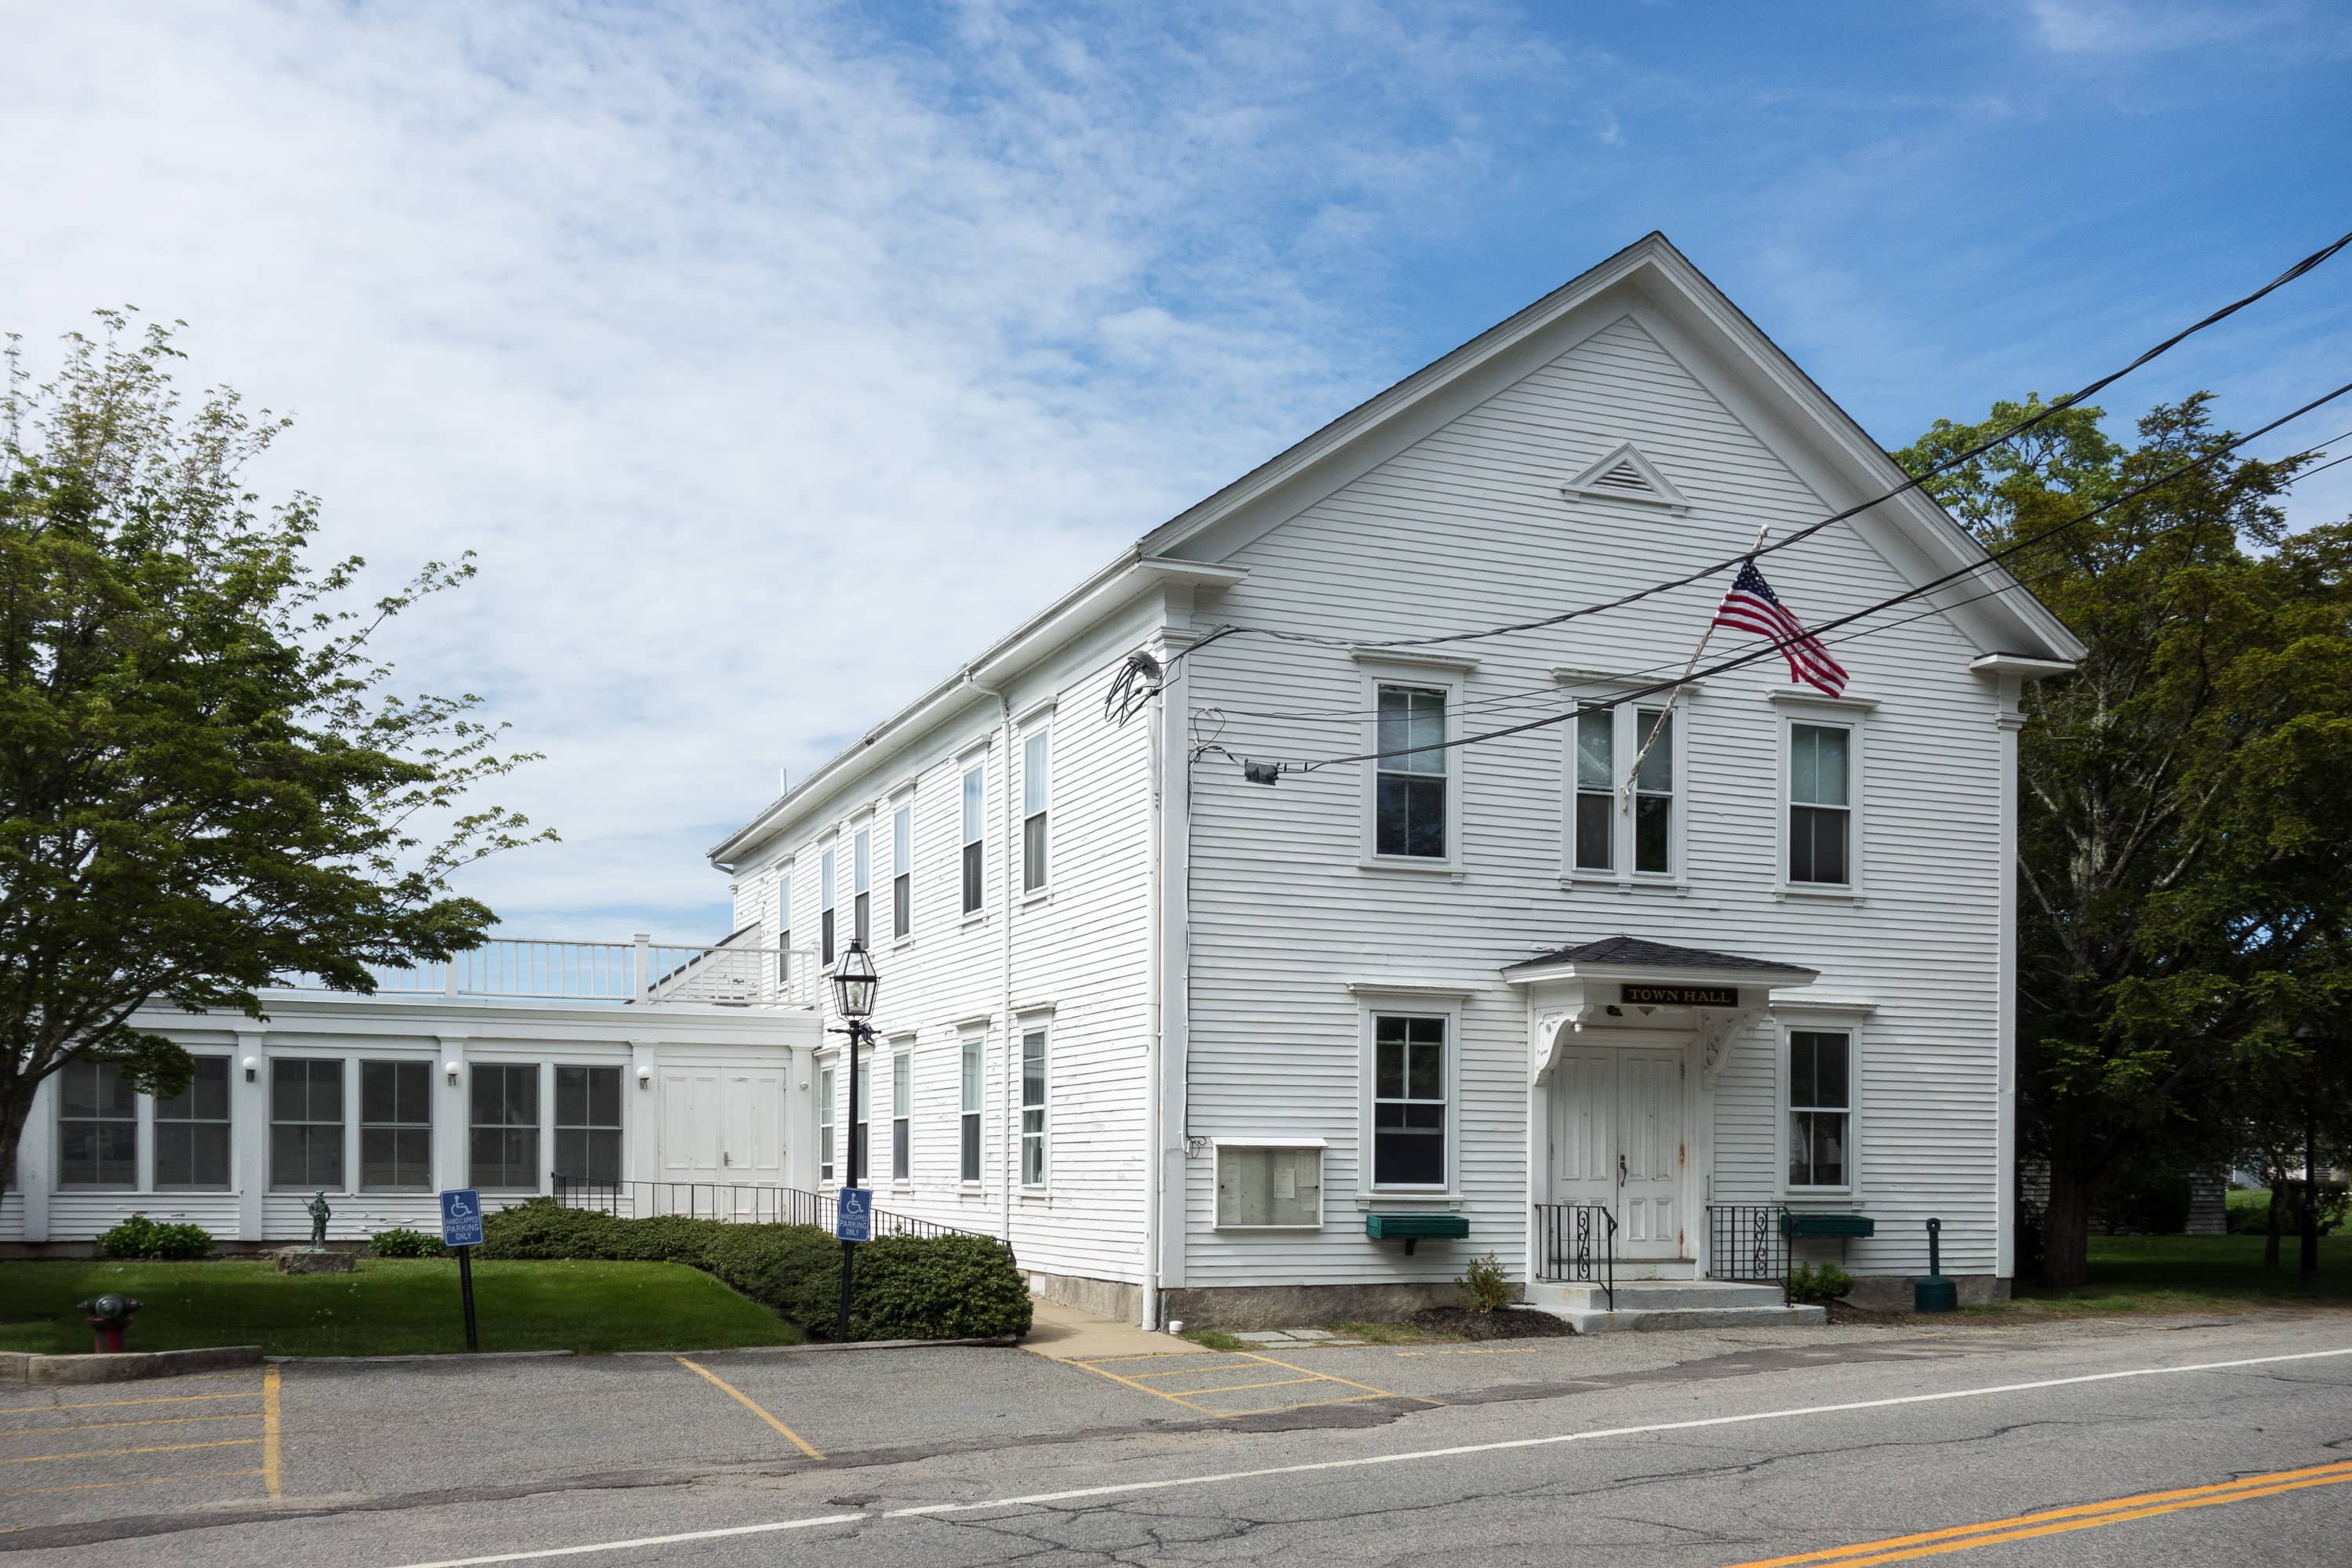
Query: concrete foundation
x,y
1891,1292
1296,1305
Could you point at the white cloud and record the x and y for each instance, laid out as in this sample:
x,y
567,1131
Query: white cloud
x,y
771,365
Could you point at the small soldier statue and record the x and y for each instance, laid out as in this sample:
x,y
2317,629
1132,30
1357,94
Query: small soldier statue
x,y
319,1213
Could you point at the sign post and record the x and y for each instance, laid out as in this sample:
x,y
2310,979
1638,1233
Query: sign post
x,y
853,1222
461,1232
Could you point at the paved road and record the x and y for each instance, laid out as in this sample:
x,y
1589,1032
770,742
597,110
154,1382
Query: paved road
x,y
2187,1442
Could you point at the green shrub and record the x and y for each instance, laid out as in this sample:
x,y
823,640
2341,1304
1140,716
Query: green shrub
x,y
1817,1283
794,1270
1485,1286
402,1242
139,1237
936,1287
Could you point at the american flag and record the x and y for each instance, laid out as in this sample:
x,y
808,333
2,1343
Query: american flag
x,y
1752,607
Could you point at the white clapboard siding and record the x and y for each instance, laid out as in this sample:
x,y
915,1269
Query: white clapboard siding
x,y
1467,528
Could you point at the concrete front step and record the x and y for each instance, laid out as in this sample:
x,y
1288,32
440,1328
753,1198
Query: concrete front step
x,y
1651,1305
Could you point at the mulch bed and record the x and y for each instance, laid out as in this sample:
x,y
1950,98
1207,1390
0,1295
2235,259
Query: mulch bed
x,y
1503,1323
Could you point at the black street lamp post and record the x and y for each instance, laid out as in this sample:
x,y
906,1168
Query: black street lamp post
x,y
854,985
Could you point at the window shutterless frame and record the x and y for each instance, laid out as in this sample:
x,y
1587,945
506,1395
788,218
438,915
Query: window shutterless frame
x,y
827,868
861,885
974,1086
503,1126
861,1146
1033,1129
784,926
1412,798
1817,1086
396,1126
902,872
1823,795
902,1099
305,1123
1036,792
192,1147
97,1127
1592,819
588,1122
975,836
825,1124
1411,1074
1608,835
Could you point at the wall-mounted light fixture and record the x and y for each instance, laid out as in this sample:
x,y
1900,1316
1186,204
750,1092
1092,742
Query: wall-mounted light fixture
x,y
644,1076
252,1066
451,1069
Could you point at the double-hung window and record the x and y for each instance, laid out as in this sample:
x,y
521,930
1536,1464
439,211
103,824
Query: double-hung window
x,y
1596,789
97,1127
1408,1101
1036,789
902,871
305,1123
1625,821
192,1131
1032,1108
1821,1108
861,1148
588,1123
861,886
784,927
825,1113
902,1095
1653,791
826,867
504,1126
396,1127
975,825
975,1070
1409,805
1821,804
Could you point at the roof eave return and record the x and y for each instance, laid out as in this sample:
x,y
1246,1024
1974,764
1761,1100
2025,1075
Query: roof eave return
x,y
1564,997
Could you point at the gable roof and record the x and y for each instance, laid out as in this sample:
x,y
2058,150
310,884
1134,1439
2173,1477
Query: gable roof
x,y
1831,451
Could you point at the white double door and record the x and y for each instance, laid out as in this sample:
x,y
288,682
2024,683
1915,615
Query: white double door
x,y
1617,1140
723,1128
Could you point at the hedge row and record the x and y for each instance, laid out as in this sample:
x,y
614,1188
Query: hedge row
x,y
905,1287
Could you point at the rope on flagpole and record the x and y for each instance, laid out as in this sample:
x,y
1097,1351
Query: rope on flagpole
x,y
1626,789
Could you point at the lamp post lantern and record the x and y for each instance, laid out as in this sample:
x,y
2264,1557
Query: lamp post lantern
x,y
854,984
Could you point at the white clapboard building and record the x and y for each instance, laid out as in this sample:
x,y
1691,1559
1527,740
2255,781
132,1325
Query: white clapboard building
x,y
1207,1048
1210,1048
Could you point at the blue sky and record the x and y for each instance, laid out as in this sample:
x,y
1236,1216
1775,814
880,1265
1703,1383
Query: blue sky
x,y
775,358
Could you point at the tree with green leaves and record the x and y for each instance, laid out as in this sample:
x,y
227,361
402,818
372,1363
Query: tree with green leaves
x,y
2185,840
204,783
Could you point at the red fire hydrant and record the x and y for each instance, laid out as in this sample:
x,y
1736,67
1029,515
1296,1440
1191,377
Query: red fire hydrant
x,y
108,1316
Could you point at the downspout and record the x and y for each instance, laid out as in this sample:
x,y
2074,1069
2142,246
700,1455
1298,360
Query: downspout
x,y
1009,1135
1155,1043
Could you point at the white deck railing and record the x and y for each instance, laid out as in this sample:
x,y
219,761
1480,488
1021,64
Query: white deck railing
x,y
641,971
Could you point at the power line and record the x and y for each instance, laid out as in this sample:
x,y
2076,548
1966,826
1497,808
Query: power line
x,y
1770,650
2305,266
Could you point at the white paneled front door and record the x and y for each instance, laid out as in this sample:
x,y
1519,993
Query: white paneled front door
x,y
1617,1140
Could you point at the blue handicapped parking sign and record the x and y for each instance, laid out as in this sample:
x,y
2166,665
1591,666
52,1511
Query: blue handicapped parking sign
x,y
461,1218
853,1215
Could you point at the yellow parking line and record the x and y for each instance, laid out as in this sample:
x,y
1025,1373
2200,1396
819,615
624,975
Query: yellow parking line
x,y
1230,1387
1180,1371
1350,1382
273,1448
151,1421
158,1448
141,1481
1309,1405
745,1401
104,1403
1146,1388
2055,1521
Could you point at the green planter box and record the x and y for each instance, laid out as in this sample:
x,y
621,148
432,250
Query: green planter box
x,y
1415,1227
1833,1227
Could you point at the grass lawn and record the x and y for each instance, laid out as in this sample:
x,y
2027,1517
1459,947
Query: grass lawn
x,y
2148,1273
387,1307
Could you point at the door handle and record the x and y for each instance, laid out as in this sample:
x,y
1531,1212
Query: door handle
x,y
1620,1170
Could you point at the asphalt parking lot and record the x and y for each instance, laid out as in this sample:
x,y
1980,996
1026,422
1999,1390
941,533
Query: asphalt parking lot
x,y
168,1444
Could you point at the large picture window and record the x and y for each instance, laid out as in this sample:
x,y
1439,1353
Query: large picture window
x,y
1032,1108
396,1127
504,1126
588,1123
97,1127
1821,1108
974,1077
1408,1101
1036,793
1821,804
975,827
902,872
191,1132
306,1125
1409,808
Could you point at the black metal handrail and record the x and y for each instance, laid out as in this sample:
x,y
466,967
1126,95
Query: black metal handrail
x,y
1578,1243
1747,1241
743,1202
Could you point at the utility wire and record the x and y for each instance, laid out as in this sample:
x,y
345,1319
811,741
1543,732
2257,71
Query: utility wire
x,y
1773,647
2307,264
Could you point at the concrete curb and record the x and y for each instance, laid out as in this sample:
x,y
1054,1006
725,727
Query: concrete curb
x,y
474,1357
22,1366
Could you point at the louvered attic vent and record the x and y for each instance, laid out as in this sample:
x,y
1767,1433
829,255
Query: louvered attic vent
x,y
1626,474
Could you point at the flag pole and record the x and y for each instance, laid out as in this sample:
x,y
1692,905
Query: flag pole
x,y
1625,791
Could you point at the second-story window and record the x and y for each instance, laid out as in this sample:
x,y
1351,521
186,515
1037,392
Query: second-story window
x,y
975,825
861,888
1653,791
1821,804
1036,788
1596,789
1409,801
825,867
902,871
784,928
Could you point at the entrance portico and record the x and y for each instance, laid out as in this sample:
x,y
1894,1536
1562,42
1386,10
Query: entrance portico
x,y
1625,1039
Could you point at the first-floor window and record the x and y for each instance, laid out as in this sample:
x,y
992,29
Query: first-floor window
x,y
1032,1108
1269,1186
305,1123
824,1124
902,1094
97,1127
1409,784
974,1073
192,1131
396,1127
588,1123
861,1149
1821,1091
504,1126
1408,1101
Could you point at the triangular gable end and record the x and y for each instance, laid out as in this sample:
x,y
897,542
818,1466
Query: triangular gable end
x,y
1626,474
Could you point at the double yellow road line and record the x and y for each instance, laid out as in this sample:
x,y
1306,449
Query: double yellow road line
x,y
2059,1521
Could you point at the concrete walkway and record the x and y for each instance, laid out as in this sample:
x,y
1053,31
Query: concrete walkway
x,y
1064,1333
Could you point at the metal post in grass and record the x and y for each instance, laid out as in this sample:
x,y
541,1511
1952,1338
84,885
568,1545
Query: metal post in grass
x,y
854,985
